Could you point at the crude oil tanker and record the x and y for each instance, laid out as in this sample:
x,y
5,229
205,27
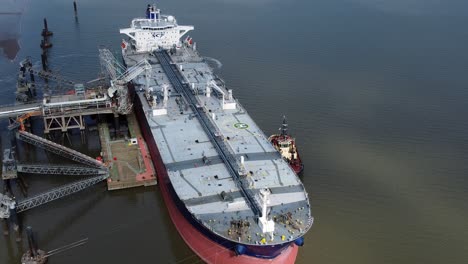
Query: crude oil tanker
x,y
229,193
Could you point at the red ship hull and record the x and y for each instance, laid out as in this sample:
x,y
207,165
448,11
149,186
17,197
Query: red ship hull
x,y
207,249
210,251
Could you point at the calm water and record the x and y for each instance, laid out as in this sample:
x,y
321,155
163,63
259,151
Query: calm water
x,y
375,92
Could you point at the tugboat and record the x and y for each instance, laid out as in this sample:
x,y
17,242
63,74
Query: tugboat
x,y
286,145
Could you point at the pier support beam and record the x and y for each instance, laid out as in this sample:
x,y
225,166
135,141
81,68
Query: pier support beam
x,y
63,123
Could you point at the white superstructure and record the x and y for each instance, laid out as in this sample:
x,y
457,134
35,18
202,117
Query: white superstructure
x,y
154,32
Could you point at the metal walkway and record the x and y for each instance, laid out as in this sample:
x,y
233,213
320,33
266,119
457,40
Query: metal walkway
x,y
93,167
58,193
228,158
59,149
58,169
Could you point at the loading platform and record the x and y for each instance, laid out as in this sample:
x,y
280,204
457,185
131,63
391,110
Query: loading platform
x,y
131,161
124,162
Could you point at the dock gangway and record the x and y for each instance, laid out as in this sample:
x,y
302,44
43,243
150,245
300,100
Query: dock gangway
x,y
58,169
58,193
8,203
59,149
175,77
98,171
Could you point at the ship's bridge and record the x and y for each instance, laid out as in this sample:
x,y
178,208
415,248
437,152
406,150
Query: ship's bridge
x,y
154,32
150,24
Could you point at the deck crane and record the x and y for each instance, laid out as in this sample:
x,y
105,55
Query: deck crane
x,y
119,77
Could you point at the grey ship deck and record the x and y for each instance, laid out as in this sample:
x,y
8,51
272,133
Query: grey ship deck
x,y
198,174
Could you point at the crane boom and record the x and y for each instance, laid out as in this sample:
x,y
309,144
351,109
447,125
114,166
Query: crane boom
x,y
119,76
108,62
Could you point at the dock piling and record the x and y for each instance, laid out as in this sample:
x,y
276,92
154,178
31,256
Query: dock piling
x,y
16,228
31,76
6,229
7,186
45,25
31,243
45,44
117,125
34,254
14,222
44,61
45,31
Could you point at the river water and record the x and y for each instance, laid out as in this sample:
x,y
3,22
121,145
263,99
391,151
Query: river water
x,y
375,93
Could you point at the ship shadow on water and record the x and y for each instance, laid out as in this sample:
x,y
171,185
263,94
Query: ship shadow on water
x,y
180,251
10,48
92,197
11,13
